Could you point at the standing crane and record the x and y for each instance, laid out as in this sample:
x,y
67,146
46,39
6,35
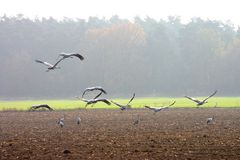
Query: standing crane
x,y
210,120
61,121
79,120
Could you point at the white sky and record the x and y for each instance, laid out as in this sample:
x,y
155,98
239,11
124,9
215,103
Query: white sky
x,y
159,9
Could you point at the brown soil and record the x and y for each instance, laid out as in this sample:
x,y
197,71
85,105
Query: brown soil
x,y
111,134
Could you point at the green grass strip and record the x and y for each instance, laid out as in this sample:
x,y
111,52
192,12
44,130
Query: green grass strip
x,y
136,103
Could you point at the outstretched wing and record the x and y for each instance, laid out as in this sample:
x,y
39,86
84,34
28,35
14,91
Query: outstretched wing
x,y
98,95
102,90
210,96
58,62
172,104
91,101
117,104
84,100
151,108
193,99
131,99
84,93
67,55
78,55
94,88
104,100
45,63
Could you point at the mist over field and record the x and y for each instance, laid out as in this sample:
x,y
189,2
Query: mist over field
x,y
147,56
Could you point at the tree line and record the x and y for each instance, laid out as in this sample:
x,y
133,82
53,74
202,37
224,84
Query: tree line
x,y
146,56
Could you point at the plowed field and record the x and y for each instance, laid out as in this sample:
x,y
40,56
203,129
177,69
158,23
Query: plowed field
x,y
111,134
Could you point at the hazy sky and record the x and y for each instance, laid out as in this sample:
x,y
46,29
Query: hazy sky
x,y
212,9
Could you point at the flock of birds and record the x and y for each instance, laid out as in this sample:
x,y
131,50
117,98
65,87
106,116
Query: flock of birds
x,y
96,99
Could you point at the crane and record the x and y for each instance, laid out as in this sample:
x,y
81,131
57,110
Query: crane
x,y
210,120
49,65
201,102
124,107
159,108
35,107
79,120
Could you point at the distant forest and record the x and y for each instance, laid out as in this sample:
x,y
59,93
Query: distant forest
x,y
146,56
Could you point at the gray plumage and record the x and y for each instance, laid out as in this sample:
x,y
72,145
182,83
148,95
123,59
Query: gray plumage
x,y
85,100
61,122
158,109
35,107
124,107
210,120
71,55
49,65
99,88
79,120
93,101
200,102
98,95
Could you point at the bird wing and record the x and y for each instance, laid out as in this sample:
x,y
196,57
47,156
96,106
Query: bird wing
x,y
68,55
84,92
131,99
172,104
90,89
45,63
151,108
58,62
98,95
160,108
193,99
47,106
210,96
78,55
94,88
104,100
84,100
117,104
63,54
91,101
102,90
